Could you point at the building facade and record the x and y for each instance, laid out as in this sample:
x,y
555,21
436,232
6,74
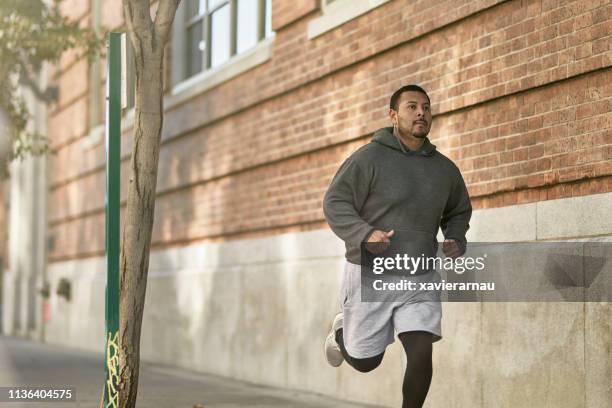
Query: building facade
x,y
264,101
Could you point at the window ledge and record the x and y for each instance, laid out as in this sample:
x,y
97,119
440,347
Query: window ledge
x,y
211,78
339,13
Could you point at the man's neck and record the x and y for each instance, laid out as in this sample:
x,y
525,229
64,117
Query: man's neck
x,y
413,143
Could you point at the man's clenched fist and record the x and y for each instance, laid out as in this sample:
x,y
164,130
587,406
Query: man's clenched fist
x,y
450,248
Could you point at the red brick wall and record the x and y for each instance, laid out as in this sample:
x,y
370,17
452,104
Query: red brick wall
x,y
285,12
521,95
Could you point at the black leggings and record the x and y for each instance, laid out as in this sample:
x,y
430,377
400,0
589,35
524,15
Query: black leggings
x,y
363,365
417,378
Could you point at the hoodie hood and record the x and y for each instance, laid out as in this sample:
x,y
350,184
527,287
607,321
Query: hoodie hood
x,y
386,137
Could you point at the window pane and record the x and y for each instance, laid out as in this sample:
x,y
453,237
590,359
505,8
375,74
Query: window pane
x,y
195,49
246,35
220,33
268,18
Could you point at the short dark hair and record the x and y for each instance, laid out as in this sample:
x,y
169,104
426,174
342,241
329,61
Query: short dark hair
x,y
395,98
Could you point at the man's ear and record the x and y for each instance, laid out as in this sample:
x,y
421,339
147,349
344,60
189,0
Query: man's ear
x,y
393,116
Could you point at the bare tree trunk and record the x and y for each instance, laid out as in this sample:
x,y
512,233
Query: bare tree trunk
x,y
148,39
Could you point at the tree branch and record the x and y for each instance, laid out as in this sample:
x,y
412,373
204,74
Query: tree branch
x,y
48,95
164,17
138,18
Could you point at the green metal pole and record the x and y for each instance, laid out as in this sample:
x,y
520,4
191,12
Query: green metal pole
x,y
113,163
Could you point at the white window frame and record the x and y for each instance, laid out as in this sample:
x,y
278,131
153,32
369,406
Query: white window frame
x,y
97,127
180,69
211,78
184,88
96,122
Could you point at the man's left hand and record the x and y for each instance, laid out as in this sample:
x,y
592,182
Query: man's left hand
x,y
450,248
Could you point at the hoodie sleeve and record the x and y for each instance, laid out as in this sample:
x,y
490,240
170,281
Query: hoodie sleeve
x,y
343,201
456,217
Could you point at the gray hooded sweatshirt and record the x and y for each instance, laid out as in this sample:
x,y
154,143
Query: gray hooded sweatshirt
x,y
384,185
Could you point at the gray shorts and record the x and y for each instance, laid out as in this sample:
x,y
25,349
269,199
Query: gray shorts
x,y
368,327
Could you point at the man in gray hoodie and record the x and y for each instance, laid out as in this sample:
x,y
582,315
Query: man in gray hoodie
x,y
396,188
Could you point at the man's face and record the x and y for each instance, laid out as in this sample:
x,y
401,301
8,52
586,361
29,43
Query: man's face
x,y
413,115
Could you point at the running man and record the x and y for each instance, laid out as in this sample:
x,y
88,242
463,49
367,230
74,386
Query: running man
x,y
396,187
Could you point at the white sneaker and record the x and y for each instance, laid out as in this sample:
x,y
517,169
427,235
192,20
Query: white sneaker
x,y
333,355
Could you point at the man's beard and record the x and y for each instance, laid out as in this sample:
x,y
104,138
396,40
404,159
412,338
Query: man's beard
x,y
418,135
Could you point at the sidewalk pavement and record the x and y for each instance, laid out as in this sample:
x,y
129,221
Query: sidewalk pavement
x,y
30,363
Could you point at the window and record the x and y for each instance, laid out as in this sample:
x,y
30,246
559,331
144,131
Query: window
x,y
97,88
213,31
97,95
220,35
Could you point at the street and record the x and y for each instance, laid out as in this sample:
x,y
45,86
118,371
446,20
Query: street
x,y
29,363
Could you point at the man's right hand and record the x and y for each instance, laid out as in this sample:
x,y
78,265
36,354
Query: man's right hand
x,y
380,240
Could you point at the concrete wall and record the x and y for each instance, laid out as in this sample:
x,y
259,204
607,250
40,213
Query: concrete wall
x,y
22,280
259,310
26,227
